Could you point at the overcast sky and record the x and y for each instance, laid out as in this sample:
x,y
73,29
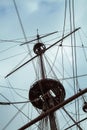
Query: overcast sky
x,y
47,16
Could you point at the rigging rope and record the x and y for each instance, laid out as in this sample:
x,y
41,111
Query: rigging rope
x,y
63,36
15,90
23,31
7,58
8,48
67,121
15,106
83,47
13,117
19,110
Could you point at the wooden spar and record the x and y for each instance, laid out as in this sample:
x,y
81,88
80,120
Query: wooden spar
x,y
63,38
20,66
39,37
45,50
54,109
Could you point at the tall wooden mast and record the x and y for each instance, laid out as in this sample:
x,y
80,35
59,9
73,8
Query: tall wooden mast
x,y
41,90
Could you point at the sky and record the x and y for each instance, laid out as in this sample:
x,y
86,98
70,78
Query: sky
x,y
47,16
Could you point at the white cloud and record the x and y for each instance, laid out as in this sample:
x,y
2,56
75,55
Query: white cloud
x,y
32,6
3,3
5,7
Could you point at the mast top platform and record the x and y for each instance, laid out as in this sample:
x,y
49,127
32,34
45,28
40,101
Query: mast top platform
x,y
39,48
44,90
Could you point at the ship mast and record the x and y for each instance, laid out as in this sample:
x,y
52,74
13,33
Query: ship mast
x,y
42,89
41,49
